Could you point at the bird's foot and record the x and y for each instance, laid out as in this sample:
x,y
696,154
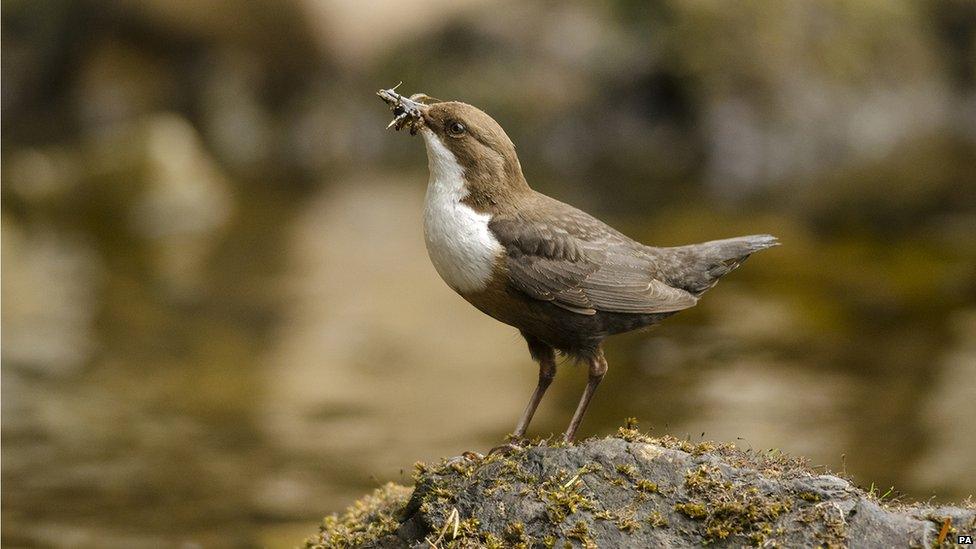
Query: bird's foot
x,y
466,456
515,444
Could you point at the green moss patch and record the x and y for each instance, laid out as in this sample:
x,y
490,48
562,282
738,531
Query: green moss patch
x,y
730,510
365,521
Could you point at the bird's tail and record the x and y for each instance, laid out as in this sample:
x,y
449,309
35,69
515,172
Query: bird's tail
x,y
704,264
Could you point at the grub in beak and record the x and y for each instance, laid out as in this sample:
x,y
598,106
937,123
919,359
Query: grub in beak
x,y
408,112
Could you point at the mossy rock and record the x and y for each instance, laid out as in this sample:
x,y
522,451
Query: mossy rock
x,y
632,490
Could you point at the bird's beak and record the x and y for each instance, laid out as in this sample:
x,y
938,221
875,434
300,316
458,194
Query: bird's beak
x,y
408,112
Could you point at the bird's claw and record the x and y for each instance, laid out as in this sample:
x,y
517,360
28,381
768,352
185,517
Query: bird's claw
x,y
466,456
508,448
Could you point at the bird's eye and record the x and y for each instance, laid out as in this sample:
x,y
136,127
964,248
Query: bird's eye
x,y
455,128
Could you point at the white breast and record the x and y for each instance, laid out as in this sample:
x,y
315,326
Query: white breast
x,y
459,243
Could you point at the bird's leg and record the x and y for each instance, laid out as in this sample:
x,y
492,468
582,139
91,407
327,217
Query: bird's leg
x,y
598,368
546,357
547,371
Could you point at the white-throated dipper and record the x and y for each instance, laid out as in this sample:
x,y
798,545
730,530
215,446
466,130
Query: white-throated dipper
x,y
565,279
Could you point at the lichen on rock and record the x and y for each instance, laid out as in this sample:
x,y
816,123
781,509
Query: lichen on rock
x,y
630,490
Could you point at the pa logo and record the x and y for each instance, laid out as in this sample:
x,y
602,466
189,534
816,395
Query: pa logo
x,y
964,540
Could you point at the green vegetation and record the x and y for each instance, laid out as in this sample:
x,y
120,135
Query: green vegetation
x,y
368,519
727,509
657,520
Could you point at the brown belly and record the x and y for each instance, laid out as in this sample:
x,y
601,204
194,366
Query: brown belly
x,y
572,333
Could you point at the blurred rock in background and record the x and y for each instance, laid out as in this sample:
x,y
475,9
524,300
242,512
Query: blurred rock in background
x,y
206,339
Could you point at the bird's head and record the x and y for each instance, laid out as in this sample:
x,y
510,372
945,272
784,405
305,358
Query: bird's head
x,y
458,132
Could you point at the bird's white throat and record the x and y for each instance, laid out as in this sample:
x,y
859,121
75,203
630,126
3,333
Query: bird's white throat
x,y
459,243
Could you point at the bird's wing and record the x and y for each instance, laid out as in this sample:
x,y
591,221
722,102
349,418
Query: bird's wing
x,y
548,262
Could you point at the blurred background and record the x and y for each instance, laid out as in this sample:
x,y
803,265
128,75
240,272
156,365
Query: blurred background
x,y
220,323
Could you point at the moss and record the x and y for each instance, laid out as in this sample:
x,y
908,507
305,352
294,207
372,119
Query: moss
x,y
631,474
500,485
692,510
515,536
703,447
419,470
491,541
625,519
631,433
657,520
702,478
627,522
442,494
509,470
564,497
465,467
628,471
469,527
581,532
458,533
727,510
809,497
366,520
646,486
834,532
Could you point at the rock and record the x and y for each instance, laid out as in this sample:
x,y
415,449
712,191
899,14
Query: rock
x,y
632,490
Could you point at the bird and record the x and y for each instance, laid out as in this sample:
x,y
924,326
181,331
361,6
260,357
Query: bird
x,y
563,278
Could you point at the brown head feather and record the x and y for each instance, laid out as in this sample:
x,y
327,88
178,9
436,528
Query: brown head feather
x,y
484,150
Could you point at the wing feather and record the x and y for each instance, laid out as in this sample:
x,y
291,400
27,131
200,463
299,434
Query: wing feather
x,y
548,263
